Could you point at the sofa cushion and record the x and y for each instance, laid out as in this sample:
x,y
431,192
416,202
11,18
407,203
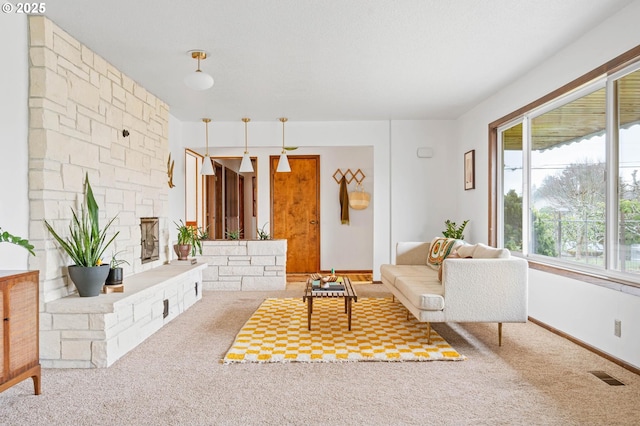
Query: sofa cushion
x,y
485,252
423,292
392,272
439,249
466,250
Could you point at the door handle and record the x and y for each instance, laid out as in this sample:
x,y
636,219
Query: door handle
x,y
313,222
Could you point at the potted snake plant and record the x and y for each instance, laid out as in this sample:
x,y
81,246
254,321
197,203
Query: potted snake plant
x,y
85,245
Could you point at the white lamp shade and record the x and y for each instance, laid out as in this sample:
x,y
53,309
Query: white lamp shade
x,y
207,168
283,164
198,80
245,165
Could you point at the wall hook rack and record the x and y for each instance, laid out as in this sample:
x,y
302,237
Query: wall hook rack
x,y
349,176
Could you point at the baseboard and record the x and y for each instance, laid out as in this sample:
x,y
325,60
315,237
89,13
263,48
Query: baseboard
x,y
587,346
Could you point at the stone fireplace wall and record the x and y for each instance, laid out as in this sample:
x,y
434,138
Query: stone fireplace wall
x,y
79,104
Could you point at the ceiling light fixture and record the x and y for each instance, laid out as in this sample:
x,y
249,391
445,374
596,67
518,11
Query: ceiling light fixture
x,y
283,163
245,165
207,167
198,80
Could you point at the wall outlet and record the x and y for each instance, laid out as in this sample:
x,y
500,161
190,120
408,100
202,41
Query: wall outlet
x,y
617,328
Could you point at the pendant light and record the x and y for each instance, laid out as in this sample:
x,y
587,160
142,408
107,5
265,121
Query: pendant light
x,y
283,163
207,168
245,165
198,80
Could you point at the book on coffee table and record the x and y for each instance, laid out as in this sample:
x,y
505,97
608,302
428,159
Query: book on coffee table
x,y
319,286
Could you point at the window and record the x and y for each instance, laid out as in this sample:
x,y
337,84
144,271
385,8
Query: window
x,y
512,154
567,187
628,137
568,180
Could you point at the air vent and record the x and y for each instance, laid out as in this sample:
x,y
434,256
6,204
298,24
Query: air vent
x,y
612,381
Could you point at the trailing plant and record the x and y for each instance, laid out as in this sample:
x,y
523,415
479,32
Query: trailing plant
x,y
262,234
6,237
86,241
454,231
233,235
191,235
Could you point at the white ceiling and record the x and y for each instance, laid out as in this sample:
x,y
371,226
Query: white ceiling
x,y
328,59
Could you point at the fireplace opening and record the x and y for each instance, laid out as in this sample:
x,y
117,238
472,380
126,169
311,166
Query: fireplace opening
x,y
150,232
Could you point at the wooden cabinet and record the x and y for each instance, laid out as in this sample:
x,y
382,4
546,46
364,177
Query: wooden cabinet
x,y
19,340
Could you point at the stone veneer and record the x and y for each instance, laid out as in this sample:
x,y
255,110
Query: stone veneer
x,y
244,264
79,104
92,332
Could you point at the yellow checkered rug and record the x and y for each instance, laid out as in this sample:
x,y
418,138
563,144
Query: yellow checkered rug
x,y
380,331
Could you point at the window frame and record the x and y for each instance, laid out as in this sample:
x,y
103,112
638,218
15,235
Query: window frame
x,y
603,76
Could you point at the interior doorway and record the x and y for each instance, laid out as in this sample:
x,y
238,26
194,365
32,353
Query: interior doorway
x,y
225,201
295,211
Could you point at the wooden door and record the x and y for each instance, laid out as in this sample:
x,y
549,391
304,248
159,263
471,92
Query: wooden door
x,y
210,203
295,211
213,202
231,201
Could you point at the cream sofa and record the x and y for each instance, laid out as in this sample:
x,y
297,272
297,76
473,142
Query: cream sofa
x,y
483,285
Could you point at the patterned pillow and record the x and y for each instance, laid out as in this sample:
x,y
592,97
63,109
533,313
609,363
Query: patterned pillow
x,y
440,249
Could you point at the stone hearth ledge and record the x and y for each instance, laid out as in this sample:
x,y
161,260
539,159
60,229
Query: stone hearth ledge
x,y
244,265
94,332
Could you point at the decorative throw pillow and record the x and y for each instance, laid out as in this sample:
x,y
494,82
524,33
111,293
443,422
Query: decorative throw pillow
x,y
439,250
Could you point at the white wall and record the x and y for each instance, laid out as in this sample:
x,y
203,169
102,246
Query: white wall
x,y
387,158
176,194
14,118
422,189
560,302
79,105
592,319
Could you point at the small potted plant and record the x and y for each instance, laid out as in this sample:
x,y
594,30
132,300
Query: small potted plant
x,y
234,235
115,270
262,234
453,230
189,240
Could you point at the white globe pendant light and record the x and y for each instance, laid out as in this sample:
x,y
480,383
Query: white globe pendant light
x,y
198,80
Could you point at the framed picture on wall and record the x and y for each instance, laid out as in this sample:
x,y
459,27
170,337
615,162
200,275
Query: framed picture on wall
x,y
470,169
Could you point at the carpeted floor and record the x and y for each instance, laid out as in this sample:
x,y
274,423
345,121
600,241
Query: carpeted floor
x,y
381,331
176,378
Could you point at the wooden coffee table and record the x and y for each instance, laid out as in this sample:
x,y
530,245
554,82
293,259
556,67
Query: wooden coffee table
x,y
349,295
